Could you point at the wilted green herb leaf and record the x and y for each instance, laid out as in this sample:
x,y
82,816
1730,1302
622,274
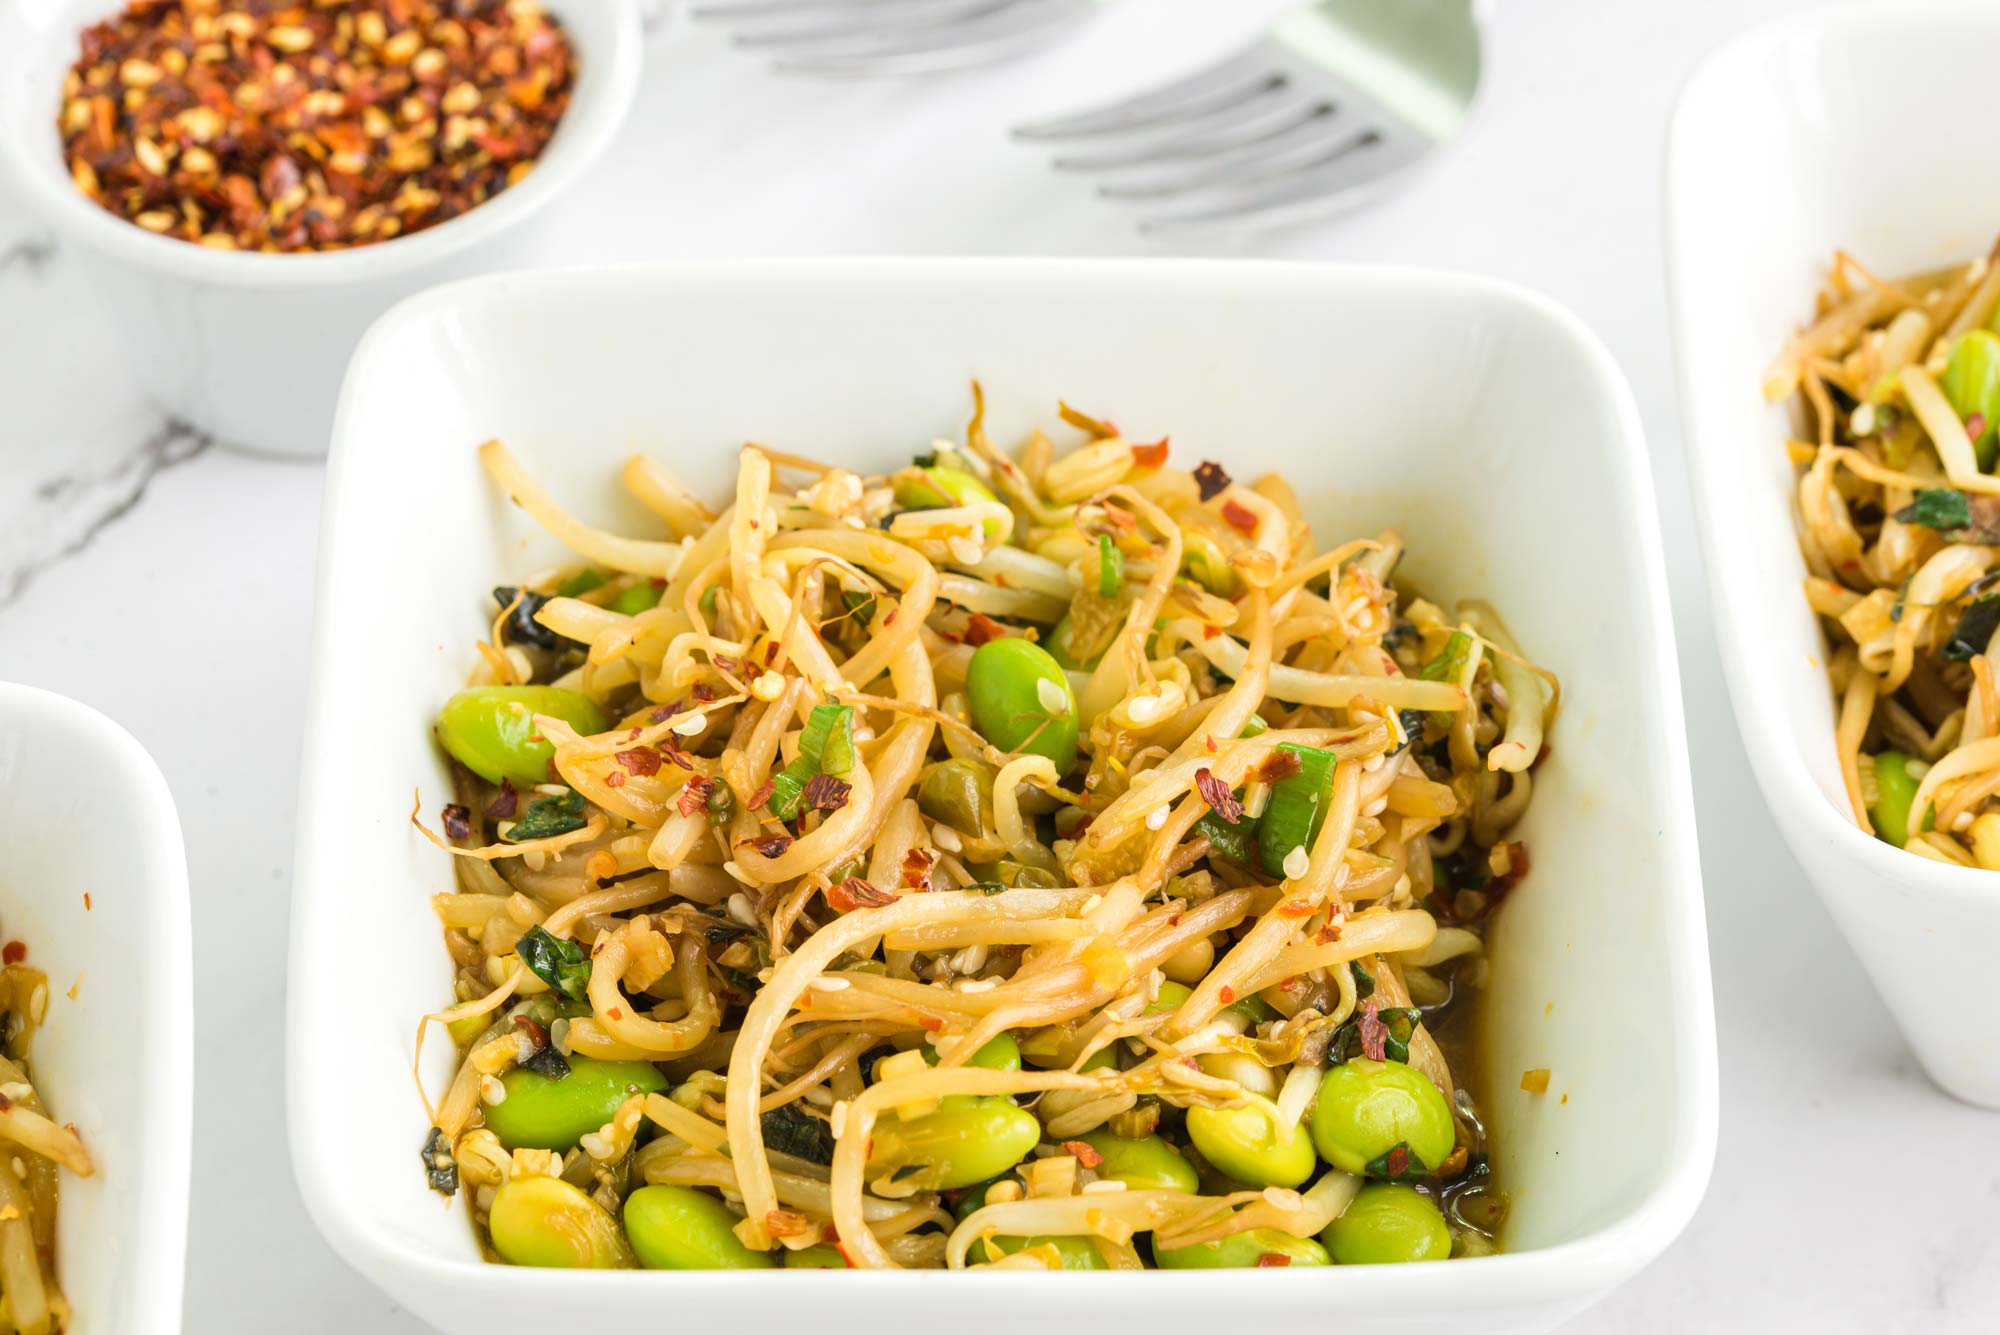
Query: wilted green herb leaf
x,y
1397,1163
440,1169
790,1130
1975,628
548,815
561,964
1937,507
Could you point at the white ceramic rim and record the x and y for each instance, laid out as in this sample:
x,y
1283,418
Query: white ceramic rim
x,y
1574,1272
606,83
164,1169
1780,769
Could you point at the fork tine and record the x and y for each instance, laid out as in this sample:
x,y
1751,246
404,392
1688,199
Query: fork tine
x,y
1221,85
891,21
1013,30
1271,159
1288,115
1325,184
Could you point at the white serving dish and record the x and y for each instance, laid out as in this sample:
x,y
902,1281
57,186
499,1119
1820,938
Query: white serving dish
x,y
250,348
88,813
1485,421
1848,128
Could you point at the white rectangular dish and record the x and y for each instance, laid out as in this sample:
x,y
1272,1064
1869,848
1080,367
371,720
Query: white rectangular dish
x,y
1468,414
95,887
1818,133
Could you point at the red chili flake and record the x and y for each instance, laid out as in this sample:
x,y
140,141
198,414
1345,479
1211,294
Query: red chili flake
x,y
703,694
5,1103
613,1013
1328,934
1210,478
723,663
931,1023
633,735
671,751
615,779
1119,519
770,653
1085,1154
694,795
1975,425
666,711
889,617
1150,456
536,1034
855,893
1278,765
771,845
1398,1162
1228,994
826,793
1239,516
917,869
980,628
458,821
761,796
86,901
1374,1034
1209,742
1296,908
506,805
13,952
1272,1260
1216,793
1210,631
640,760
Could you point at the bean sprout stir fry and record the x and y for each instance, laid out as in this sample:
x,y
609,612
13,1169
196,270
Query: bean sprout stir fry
x,y
1045,860
30,1302
1898,389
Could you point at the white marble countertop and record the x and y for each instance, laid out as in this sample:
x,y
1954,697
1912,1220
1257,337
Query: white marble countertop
x,y
169,584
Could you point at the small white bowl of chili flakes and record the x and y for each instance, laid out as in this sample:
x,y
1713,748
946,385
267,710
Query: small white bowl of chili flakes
x,y
249,183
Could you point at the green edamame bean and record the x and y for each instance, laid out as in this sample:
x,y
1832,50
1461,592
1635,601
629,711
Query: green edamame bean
x,y
967,1140
1077,1253
1388,1223
491,729
544,1221
1242,1143
1241,1251
1367,1108
1142,1163
817,1257
1895,790
679,1228
1005,683
636,598
1171,996
959,793
543,1114
1971,381
1001,1053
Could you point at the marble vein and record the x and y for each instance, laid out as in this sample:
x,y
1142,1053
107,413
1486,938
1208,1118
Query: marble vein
x,y
68,511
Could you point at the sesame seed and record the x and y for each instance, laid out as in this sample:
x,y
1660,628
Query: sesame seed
x,y
1156,819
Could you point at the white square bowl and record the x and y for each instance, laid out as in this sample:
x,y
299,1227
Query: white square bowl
x,y
1485,422
87,814
1862,128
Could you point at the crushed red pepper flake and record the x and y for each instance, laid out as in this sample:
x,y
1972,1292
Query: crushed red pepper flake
x,y
1272,1260
457,821
786,1224
293,127
1228,994
615,779
1296,908
661,713
1210,479
1151,456
1397,1163
980,628
1239,516
13,952
855,893
917,869
506,804
826,793
1374,1033
694,795
1278,765
640,760
1085,1153
536,1034
771,845
671,751
761,796
1216,793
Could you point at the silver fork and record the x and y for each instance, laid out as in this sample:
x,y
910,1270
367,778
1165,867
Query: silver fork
x,y
860,38
1330,109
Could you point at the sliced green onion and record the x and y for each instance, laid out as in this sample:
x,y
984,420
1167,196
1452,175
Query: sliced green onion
x,y
826,746
1238,843
1449,666
1110,567
1254,726
707,601
583,581
1298,804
